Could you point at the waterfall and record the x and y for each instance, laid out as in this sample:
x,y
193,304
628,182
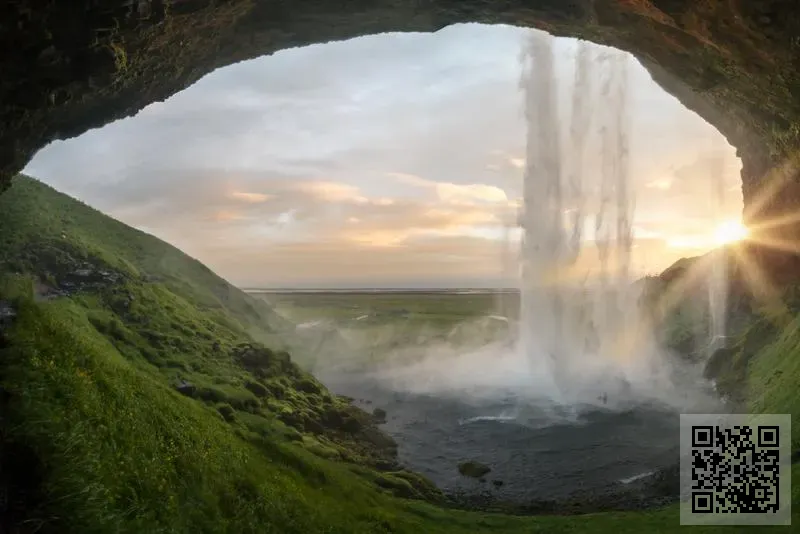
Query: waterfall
x,y
613,229
718,279
569,319
545,241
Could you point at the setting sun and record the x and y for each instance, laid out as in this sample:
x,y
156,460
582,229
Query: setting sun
x,y
730,232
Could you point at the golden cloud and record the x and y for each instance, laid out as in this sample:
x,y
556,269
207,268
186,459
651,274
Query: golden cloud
x,y
253,198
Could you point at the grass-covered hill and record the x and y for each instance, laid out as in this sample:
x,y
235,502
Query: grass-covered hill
x,y
141,393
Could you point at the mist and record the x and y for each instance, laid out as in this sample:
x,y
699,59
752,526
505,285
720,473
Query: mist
x,y
481,361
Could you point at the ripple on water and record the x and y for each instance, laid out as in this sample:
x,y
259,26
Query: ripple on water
x,y
537,451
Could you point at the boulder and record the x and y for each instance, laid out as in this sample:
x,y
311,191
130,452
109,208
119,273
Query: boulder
x,y
186,388
351,425
253,357
379,415
473,469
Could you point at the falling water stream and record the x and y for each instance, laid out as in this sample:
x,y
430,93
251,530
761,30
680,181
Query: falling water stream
x,y
718,282
571,315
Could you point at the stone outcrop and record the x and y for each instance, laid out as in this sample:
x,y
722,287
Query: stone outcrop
x,y
71,66
473,469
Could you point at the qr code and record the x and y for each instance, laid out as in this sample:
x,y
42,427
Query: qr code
x,y
737,467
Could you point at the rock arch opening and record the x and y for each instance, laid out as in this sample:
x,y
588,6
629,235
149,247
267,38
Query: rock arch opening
x,y
732,62
397,160
388,137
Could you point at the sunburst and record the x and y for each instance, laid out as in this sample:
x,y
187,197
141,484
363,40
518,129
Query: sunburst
x,y
730,231
762,233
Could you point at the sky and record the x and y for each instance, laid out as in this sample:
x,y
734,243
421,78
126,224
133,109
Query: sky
x,y
392,160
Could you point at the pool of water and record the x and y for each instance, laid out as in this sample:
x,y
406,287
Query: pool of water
x,y
536,449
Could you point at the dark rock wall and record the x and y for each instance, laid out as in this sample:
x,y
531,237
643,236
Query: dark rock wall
x,y
71,65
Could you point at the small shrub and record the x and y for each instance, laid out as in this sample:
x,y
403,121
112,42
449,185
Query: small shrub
x,y
397,486
308,385
211,394
253,356
227,412
276,390
323,451
422,486
239,398
256,388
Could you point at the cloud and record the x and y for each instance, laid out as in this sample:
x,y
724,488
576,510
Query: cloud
x,y
332,191
660,183
393,158
250,197
454,193
224,216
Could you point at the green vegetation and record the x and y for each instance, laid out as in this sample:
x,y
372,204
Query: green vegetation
x,y
359,329
138,393
773,379
445,310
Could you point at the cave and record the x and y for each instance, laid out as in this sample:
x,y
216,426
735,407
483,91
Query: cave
x,y
68,69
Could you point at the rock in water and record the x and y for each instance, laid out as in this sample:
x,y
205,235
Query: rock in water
x,y
379,415
473,469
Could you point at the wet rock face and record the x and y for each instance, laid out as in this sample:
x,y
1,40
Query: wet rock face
x,y
71,66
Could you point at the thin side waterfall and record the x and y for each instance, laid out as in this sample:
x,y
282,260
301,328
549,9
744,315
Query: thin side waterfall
x,y
718,282
571,316
504,303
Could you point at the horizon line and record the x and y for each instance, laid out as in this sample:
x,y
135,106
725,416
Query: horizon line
x,y
377,288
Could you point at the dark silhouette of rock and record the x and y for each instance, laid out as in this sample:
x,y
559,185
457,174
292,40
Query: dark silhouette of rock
x,y
252,356
313,426
186,388
473,469
7,312
379,415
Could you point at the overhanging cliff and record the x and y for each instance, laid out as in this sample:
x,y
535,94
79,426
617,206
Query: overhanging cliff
x,y
71,65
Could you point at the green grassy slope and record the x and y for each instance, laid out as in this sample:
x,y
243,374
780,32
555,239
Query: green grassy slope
x,y
773,381
43,230
94,436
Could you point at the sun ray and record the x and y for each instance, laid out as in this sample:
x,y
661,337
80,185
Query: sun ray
x,y
774,181
761,288
772,223
676,290
775,243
